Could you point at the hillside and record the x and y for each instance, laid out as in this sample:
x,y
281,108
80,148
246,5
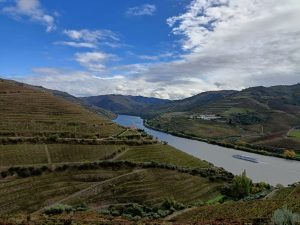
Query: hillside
x,y
124,104
29,111
259,116
54,150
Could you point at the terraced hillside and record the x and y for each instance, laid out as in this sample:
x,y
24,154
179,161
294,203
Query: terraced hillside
x,y
245,211
261,117
39,154
54,150
103,187
162,154
27,111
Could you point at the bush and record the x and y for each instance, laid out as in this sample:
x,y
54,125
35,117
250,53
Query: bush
x,y
172,204
285,217
241,186
58,209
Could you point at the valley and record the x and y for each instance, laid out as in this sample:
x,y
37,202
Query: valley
x,y
63,161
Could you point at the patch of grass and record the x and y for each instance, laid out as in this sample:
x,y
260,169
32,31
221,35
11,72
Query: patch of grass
x,y
79,153
295,134
31,154
248,210
163,154
23,154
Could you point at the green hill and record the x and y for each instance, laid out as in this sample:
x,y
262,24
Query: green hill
x,y
124,104
259,116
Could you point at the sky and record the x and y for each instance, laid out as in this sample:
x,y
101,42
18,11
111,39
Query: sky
x,y
160,48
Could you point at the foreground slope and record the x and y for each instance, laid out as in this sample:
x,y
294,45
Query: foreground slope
x,y
54,150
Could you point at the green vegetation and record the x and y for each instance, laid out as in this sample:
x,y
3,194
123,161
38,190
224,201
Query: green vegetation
x,y
241,186
285,217
295,134
163,154
22,154
107,184
136,211
260,210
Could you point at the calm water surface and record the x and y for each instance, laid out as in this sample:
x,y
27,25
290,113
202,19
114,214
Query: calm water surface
x,y
269,169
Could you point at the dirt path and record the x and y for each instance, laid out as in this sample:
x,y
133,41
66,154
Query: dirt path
x,y
271,194
175,214
119,155
76,194
49,157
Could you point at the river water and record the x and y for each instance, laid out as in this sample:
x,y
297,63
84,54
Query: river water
x,y
269,169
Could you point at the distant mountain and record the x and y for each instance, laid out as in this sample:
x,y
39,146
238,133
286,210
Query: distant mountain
x,y
125,104
191,103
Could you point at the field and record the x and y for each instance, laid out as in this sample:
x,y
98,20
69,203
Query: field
x,y
246,210
103,187
32,193
162,154
181,124
33,154
295,134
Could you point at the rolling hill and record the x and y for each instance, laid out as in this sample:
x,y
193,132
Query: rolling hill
x,y
124,104
260,116
55,150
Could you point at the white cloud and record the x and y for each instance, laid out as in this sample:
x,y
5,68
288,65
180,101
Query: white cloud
x,y
86,38
76,44
33,10
142,10
230,44
157,57
93,61
92,36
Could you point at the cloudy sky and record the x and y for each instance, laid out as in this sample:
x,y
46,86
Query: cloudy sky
x,y
160,48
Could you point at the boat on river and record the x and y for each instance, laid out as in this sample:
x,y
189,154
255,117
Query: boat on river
x,y
246,158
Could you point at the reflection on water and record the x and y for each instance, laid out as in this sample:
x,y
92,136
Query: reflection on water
x,y
269,169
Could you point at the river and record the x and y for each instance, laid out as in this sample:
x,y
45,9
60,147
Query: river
x,y
269,169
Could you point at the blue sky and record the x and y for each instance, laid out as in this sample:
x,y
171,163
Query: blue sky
x,y
161,48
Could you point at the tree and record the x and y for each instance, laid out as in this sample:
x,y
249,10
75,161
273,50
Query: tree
x,y
241,186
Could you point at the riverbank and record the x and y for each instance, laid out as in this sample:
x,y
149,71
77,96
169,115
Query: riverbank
x,y
261,151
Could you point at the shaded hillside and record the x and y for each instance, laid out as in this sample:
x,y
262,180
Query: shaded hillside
x,y
124,104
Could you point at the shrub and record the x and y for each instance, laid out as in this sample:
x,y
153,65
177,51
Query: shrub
x,y
172,204
285,217
58,209
241,186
